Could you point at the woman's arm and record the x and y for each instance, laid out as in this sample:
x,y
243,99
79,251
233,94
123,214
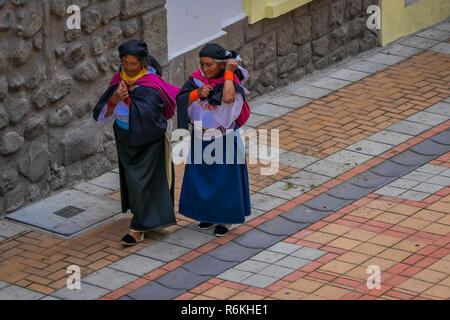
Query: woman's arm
x,y
229,92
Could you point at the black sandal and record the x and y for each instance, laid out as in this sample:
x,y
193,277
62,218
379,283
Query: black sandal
x,y
129,240
220,231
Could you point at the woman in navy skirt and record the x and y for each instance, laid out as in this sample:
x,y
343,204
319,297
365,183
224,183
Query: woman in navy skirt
x,y
215,188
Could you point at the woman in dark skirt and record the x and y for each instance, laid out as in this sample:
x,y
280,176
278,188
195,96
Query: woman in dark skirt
x,y
140,102
215,192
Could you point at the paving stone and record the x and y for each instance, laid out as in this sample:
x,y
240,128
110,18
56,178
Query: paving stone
x,y
265,202
92,189
256,120
10,229
404,184
163,251
41,214
349,75
308,253
410,158
285,190
399,50
389,137
284,247
252,266
206,265
383,58
87,292
50,298
128,298
431,168
268,256
257,239
418,176
366,66
370,180
348,191
282,227
329,168
442,138
419,42
434,34
440,180
442,47
155,291
304,214
446,100
2,239
259,281
310,92
109,180
115,170
235,275
408,127
428,118
430,148
3,285
188,238
390,191
136,265
181,279
270,110
445,173
427,187
287,100
390,169
109,279
276,271
292,262
231,251
325,202
307,179
297,160
348,157
414,195
330,83
441,108
443,26
369,147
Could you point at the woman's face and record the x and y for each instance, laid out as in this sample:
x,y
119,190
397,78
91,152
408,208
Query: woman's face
x,y
131,65
210,67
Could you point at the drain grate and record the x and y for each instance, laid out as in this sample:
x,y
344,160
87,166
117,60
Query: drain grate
x,y
68,212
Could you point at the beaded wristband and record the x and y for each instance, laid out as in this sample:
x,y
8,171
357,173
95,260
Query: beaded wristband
x,y
229,75
194,95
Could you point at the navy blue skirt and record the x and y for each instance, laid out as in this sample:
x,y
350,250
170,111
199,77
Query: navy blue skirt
x,y
216,193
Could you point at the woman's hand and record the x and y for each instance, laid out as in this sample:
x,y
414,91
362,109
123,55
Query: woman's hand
x,y
120,94
231,65
203,91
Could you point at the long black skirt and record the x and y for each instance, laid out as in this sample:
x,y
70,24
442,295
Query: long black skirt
x,y
144,185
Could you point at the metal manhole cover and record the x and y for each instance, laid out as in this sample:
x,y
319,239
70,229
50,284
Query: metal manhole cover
x,y
68,212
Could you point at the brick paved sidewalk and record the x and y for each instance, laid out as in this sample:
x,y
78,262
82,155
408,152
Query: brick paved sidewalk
x,y
363,180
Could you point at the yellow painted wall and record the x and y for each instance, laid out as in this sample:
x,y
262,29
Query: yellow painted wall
x,y
260,9
398,21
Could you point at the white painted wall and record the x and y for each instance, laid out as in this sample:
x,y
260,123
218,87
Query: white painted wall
x,y
191,23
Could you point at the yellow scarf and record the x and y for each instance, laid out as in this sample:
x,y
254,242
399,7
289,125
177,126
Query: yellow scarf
x,y
131,80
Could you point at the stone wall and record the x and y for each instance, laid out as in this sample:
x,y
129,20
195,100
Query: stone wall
x,y
50,79
286,48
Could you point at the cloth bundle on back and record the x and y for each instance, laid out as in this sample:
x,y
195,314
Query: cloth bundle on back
x,y
143,146
218,192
